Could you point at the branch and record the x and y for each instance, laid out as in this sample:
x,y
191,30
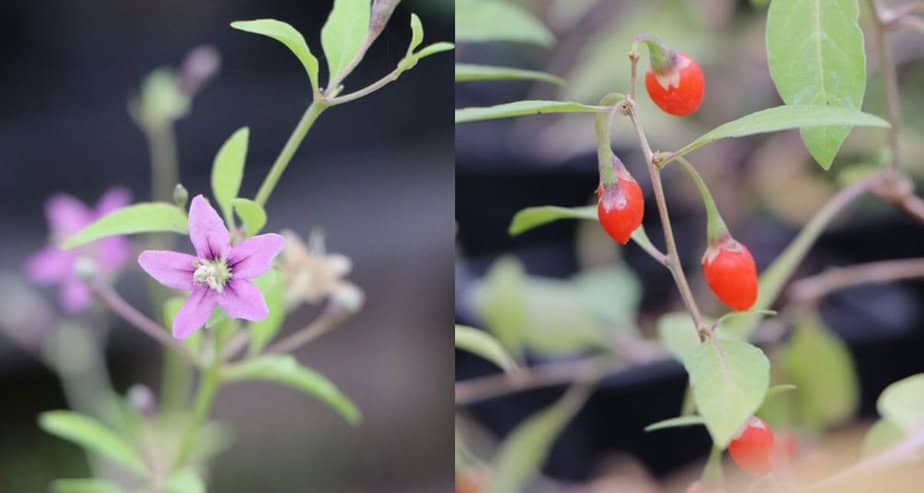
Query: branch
x,y
149,327
818,286
329,318
889,77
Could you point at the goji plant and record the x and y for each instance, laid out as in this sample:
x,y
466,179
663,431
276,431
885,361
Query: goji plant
x,y
818,66
221,298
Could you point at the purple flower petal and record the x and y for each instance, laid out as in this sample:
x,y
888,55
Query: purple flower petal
x,y
207,231
50,264
195,312
111,254
74,295
172,269
66,215
254,256
241,299
114,198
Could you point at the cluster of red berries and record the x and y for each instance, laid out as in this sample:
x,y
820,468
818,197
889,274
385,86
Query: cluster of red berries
x,y
675,83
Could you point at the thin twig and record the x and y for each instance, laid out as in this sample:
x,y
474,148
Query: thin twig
x,y
889,78
673,264
149,327
818,286
329,319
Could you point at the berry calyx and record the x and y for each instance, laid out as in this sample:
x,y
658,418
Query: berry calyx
x,y
752,449
678,86
731,273
620,206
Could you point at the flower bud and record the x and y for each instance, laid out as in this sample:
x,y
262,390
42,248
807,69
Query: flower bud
x,y
180,196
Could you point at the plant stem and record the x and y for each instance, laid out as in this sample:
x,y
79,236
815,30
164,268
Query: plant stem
x,y
673,264
140,320
371,88
288,150
604,151
889,78
820,285
208,387
712,473
329,319
164,162
715,225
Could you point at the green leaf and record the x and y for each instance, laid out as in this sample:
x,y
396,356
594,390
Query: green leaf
x,y
816,56
730,380
484,345
612,294
433,49
287,35
498,20
679,421
185,481
344,35
148,217
532,217
85,486
678,334
526,448
820,366
285,370
784,118
902,403
91,435
500,300
228,171
251,213
523,108
273,288
468,73
882,435
417,34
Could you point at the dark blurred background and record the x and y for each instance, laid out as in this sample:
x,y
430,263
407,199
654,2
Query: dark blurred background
x,y
375,174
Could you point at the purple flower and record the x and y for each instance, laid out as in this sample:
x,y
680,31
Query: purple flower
x,y
66,215
219,274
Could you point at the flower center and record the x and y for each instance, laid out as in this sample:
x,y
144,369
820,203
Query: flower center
x,y
214,273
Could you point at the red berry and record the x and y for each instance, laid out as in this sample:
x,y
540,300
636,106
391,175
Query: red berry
x,y
752,449
621,207
678,91
731,273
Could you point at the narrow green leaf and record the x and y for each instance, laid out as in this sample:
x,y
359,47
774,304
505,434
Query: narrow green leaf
x,y
498,20
344,35
679,421
251,213
820,365
678,334
91,435
273,289
185,481
149,217
526,448
484,345
287,35
902,403
816,56
532,217
882,435
730,380
285,370
784,118
433,49
228,171
468,73
523,108
417,34
85,486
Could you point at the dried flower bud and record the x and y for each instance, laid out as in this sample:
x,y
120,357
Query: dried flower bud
x,y
200,65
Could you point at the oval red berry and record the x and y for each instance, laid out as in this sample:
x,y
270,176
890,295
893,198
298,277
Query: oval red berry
x,y
621,208
752,449
731,273
679,92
